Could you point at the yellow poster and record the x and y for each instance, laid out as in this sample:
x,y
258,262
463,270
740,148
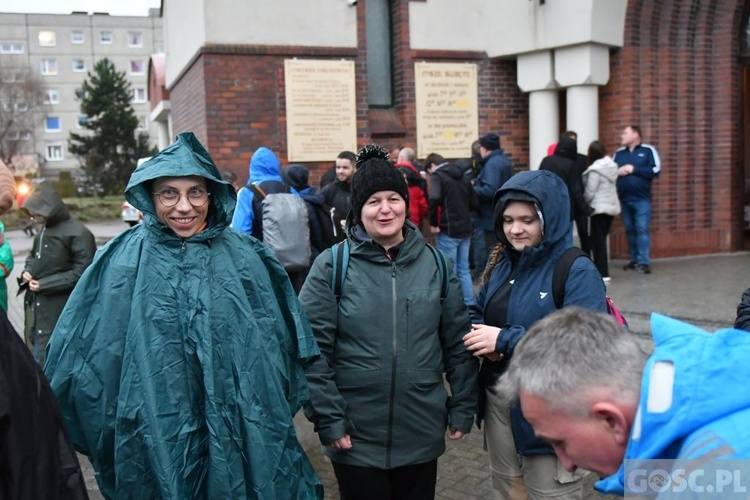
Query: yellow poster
x,y
321,109
447,110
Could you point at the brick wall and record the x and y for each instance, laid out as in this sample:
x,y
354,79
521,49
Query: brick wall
x,y
678,78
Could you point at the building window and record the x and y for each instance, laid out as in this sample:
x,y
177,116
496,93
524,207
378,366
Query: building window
x,y
20,107
49,66
24,135
47,38
11,48
9,77
137,67
142,123
52,124
106,37
379,57
135,39
51,96
54,152
77,37
138,94
79,65
82,119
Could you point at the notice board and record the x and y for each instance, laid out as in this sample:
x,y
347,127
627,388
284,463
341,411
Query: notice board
x,y
447,109
321,109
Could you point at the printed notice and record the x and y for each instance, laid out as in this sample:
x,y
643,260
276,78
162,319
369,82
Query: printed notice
x,y
321,110
447,114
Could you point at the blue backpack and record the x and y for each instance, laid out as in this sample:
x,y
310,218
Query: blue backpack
x,y
340,256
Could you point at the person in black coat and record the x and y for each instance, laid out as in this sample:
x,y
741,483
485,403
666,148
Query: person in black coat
x,y
37,459
743,312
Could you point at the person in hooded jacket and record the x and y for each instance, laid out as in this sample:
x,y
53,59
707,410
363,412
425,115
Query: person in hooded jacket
x,y
563,164
178,361
320,219
378,401
600,193
418,205
743,312
532,223
62,250
264,177
452,200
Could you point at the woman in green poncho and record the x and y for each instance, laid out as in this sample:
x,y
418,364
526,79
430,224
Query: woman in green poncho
x,y
178,360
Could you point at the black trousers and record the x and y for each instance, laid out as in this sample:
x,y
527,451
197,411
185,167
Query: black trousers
x,y
600,225
582,226
412,482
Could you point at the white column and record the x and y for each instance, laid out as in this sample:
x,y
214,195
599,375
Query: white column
x,y
544,117
163,138
583,114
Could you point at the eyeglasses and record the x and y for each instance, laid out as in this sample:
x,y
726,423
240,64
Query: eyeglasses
x,y
197,197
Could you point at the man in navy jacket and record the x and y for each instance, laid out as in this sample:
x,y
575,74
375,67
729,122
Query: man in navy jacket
x,y
639,165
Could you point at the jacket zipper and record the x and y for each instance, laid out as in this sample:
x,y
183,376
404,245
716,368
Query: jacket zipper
x,y
394,346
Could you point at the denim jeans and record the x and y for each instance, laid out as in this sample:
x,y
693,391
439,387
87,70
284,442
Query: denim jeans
x,y
458,250
636,217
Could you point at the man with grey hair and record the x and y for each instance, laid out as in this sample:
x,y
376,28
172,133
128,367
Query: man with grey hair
x,y
589,387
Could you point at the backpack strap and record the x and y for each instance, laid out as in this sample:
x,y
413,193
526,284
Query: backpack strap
x,y
257,189
560,274
340,263
442,269
340,257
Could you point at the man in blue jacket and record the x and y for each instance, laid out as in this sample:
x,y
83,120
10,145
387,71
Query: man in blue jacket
x,y
639,165
589,388
265,173
494,173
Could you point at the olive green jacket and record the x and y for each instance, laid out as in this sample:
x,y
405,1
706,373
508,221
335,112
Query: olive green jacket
x,y
385,348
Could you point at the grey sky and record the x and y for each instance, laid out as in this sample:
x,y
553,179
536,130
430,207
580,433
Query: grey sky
x,y
114,7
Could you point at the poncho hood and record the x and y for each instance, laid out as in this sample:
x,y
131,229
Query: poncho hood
x,y
45,201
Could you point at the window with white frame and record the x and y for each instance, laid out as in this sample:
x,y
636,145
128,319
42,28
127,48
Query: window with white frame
x,y
21,107
12,135
54,152
142,123
24,135
135,39
77,37
49,66
106,37
51,96
6,106
11,48
47,38
52,124
9,77
82,119
79,65
137,67
138,94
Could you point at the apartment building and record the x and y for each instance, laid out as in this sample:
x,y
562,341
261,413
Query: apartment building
x,y
62,49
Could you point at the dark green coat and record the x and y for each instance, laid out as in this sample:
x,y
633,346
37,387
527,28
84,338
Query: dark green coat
x,y
178,363
62,249
385,348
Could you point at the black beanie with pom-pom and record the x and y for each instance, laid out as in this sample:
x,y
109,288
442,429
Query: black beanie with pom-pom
x,y
375,172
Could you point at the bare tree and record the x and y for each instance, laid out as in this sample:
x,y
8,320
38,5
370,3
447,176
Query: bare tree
x,y
21,111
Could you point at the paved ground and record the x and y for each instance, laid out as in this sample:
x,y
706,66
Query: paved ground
x,y
701,290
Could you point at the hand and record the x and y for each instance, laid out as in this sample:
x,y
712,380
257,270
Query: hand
x,y
34,285
434,229
454,434
26,276
495,356
625,170
482,339
342,443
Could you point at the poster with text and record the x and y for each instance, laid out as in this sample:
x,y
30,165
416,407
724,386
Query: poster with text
x,y
321,109
447,110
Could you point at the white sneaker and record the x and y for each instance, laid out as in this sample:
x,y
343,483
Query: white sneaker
x,y
606,279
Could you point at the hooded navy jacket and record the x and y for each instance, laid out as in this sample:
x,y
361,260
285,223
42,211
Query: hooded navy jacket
x,y
531,296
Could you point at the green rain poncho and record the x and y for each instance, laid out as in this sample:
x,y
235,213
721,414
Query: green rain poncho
x,y
178,364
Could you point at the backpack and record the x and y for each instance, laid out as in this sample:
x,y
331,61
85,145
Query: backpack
x,y
328,233
286,228
340,257
560,276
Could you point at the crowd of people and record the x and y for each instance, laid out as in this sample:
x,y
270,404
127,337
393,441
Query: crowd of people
x,y
179,354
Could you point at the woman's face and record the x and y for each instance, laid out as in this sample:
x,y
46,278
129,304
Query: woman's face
x,y
184,218
383,217
521,225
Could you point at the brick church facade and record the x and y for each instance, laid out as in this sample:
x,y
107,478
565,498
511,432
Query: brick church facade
x,y
677,70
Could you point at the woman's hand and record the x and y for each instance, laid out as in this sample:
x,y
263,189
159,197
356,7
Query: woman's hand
x,y
481,341
454,434
342,443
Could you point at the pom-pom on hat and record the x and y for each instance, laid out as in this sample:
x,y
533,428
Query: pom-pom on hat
x,y
375,173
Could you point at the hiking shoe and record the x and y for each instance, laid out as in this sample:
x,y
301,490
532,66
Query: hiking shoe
x,y
630,265
643,268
